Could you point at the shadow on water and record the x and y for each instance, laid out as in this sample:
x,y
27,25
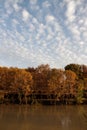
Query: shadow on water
x,y
22,117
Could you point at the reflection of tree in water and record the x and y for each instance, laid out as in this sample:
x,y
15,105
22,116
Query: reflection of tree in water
x,y
74,118
1,113
85,117
82,112
23,117
66,118
66,121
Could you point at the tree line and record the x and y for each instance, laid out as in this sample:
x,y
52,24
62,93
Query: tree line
x,y
32,84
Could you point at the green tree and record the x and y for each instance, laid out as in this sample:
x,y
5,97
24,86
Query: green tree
x,y
80,92
76,69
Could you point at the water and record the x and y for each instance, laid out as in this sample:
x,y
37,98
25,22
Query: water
x,y
18,117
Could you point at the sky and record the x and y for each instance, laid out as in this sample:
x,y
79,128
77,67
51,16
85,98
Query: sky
x,y
35,32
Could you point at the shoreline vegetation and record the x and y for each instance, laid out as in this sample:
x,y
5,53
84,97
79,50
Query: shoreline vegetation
x,y
44,85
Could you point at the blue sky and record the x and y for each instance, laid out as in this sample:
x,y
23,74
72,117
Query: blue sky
x,y
34,32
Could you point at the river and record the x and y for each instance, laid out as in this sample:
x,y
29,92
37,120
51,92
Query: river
x,y
22,117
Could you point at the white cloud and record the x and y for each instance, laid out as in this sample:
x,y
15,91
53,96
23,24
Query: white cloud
x,y
31,27
16,7
78,27
33,1
70,13
8,7
34,21
85,22
46,4
75,30
25,15
15,22
43,38
49,18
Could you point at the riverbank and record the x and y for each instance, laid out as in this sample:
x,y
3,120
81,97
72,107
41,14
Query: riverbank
x,y
40,98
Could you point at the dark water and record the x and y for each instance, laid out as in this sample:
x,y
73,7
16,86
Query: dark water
x,y
43,117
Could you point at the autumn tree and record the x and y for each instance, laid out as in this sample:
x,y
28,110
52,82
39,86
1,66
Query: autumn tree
x,y
40,78
4,78
70,82
22,82
56,81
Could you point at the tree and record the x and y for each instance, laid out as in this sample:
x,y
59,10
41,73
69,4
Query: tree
x,y
56,81
4,78
80,92
76,69
70,82
40,77
22,83
84,70
41,68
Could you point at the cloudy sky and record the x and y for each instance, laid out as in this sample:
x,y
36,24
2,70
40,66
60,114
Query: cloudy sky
x,y
34,32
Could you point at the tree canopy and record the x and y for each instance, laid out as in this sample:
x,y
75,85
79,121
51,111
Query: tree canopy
x,y
43,79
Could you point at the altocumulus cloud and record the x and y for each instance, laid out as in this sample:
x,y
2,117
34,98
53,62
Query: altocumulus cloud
x,y
34,32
